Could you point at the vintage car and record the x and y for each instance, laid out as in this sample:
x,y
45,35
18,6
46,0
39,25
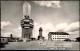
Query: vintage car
x,y
4,40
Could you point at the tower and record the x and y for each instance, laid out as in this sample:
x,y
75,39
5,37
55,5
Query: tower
x,y
11,35
26,22
40,34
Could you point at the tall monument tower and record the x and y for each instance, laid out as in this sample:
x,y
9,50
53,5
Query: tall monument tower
x,y
26,22
40,34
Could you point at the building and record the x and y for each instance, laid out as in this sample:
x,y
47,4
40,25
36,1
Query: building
x,y
5,40
9,39
27,27
58,36
40,34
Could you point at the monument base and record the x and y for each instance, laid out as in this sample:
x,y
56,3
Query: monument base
x,y
40,38
25,39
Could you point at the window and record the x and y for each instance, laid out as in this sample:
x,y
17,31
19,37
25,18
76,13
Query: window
x,y
26,22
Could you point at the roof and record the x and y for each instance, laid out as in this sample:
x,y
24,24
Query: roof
x,y
58,33
40,29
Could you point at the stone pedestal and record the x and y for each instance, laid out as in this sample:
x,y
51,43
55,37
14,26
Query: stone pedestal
x,y
24,39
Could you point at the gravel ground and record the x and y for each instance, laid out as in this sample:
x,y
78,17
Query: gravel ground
x,y
39,45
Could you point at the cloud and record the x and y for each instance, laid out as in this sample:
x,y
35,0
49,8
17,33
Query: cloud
x,y
5,24
72,27
46,29
74,34
6,34
36,29
54,4
67,27
62,27
17,29
17,32
48,26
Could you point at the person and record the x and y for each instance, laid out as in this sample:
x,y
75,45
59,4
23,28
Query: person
x,y
42,40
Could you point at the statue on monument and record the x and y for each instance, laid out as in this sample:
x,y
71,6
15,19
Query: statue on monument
x,y
26,17
26,10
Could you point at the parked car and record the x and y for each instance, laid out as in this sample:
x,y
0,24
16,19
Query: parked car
x,y
27,40
4,40
33,39
20,40
67,39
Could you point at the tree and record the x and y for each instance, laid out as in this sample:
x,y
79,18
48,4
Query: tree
x,y
11,35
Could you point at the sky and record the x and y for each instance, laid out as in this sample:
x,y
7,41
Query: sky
x,y
52,16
